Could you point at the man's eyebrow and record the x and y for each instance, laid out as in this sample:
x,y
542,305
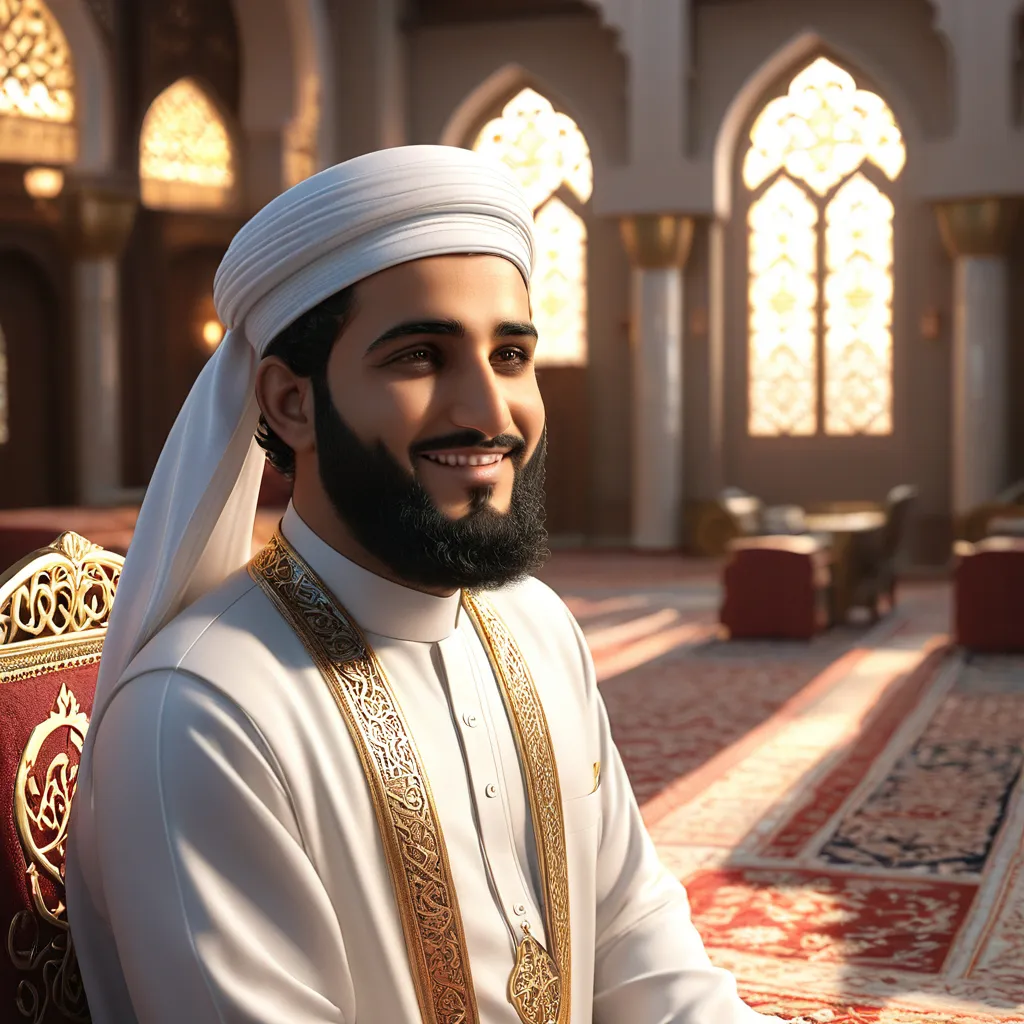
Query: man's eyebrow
x,y
515,329
418,328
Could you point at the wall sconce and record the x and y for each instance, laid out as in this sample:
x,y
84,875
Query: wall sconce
x,y
44,182
213,333
931,324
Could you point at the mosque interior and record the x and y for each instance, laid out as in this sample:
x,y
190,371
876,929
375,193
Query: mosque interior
x,y
780,295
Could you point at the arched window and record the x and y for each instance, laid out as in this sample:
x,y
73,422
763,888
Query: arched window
x,y
549,155
186,158
4,427
37,86
820,258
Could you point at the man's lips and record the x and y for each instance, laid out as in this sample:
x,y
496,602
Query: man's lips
x,y
465,458
468,467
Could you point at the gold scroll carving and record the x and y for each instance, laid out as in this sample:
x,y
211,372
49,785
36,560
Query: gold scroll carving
x,y
38,941
54,607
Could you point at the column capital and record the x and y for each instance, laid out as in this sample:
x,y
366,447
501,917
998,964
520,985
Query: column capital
x,y
98,219
978,227
657,240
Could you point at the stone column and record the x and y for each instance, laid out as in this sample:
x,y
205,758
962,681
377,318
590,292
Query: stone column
x,y
98,222
977,233
658,246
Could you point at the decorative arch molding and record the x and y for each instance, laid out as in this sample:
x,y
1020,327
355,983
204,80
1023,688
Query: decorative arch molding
x,y
750,98
94,91
484,101
287,89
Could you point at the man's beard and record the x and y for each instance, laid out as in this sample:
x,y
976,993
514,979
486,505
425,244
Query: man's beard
x,y
391,515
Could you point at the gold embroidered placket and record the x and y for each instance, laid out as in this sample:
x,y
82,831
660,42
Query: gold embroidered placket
x,y
539,988
407,818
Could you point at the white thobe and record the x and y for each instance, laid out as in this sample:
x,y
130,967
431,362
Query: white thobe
x,y
226,865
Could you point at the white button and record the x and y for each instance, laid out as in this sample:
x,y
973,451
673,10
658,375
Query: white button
x,y
470,719
491,789
519,909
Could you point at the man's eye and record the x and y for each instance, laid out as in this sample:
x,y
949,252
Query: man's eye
x,y
512,356
416,355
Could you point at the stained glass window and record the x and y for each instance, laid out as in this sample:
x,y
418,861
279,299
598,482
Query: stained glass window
x,y
823,129
783,311
820,331
858,310
4,432
37,85
547,152
186,159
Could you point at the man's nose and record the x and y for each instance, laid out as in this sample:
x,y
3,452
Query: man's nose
x,y
478,401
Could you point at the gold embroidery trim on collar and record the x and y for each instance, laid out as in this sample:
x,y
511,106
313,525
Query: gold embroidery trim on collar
x,y
529,724
403,803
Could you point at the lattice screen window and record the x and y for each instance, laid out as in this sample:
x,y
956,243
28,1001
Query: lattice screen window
x,y
551,160
820,260
186,158
4,412
37,86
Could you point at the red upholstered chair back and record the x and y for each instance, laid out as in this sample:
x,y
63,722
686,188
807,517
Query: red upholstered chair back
x,y
988,595
54,608
775,588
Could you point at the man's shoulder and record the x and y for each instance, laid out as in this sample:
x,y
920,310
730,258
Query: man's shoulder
x,y
226,624
530,597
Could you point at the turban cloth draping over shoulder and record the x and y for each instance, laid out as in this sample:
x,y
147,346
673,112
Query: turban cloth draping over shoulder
x,y
330,231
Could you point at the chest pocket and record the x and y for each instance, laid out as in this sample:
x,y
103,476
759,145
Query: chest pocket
x,y
582,812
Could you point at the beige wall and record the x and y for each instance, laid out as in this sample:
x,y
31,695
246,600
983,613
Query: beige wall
x,y
575,63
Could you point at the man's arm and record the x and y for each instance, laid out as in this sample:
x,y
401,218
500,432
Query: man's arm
x,y
218,915
650,964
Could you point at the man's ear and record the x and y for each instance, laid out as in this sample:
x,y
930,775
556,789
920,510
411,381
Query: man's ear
x,y
286,401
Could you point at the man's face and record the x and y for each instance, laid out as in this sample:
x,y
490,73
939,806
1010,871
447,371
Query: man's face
x,y
436,364
430,426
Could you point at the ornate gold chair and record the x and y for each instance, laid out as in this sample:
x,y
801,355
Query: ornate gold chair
x,y
54,608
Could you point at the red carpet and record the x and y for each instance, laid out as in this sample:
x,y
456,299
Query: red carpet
x,y
848,815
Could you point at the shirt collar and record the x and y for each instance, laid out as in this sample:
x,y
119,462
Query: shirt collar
x,y
378,605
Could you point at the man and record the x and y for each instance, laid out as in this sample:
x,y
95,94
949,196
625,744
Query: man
x,y
367,777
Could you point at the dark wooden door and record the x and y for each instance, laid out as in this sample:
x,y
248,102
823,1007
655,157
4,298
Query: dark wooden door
x,y
564,389
28,457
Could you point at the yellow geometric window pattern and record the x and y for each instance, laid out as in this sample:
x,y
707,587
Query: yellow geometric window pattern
x,y
4,414
186,159
858,310
783,310
546,150
821,259
37,85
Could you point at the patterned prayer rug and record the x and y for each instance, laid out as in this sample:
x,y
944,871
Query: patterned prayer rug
x,y
867,857
847,815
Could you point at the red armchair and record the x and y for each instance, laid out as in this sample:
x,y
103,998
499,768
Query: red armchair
x,y
54,607
776,587
988,595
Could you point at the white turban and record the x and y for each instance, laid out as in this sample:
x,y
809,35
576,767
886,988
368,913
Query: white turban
x,y
332,230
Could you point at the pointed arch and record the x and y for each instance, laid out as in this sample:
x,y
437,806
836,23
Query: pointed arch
x,y
549,156
481,102
187,158
37,86
749,98
812,160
